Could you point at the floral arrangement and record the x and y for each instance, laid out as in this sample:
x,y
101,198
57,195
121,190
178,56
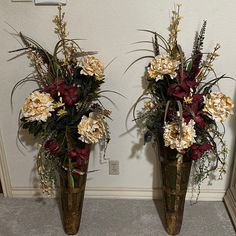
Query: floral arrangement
x,y
65,113
182,104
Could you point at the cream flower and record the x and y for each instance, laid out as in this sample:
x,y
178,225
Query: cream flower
x,y
162,65
175,140
219,106
37,107
92,66
91,129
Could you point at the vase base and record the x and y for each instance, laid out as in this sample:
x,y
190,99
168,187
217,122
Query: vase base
x,y
173,223
71,225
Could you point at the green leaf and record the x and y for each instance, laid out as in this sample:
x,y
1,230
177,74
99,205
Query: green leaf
x,y
71,180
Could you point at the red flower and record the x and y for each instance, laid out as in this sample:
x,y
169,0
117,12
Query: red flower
x,y
70,94
80,153
51,146
51,89
73,153
194,110
182,90
84,153
54,88
197,150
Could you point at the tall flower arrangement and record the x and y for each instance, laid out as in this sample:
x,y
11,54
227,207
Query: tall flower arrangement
x,y
183,105
65,112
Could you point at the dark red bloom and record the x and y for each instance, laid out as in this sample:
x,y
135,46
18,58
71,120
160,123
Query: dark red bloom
x,y
70,94
196,105
51,89
82,154
200,121
73,153
51,146
182,90
54,88
197,150
194,110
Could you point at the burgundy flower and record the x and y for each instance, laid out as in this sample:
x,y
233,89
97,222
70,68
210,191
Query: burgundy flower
x,y
51,146
196,105
181,76
54,88
82,156
70,94
194,110
80,153
84,152
73,153
197,150
51,89
200,121
182,90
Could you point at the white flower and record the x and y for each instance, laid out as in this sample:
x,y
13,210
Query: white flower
x,y
175,140
219,106
92,66
162,65
37,107
91,129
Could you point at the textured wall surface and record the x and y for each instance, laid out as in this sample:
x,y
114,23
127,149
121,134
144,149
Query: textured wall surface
x,y
110,27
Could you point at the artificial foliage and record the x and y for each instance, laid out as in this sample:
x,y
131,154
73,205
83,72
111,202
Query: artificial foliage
x,y
183,107
64,113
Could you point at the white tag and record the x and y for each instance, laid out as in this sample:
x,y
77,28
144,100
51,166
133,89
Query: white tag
x,y
50,2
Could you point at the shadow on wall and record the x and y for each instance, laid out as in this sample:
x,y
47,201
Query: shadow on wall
x,y
151,154
28,143
1,187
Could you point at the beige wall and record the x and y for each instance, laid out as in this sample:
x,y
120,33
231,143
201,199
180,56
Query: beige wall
x,y
110,28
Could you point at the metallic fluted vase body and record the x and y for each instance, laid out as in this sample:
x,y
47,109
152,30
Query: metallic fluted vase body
x,y
71,200
175,178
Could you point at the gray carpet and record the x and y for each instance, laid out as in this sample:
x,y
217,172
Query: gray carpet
x,y
28,217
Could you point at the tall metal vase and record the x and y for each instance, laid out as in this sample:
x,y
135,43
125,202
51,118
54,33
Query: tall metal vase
x,y
175,177
71,203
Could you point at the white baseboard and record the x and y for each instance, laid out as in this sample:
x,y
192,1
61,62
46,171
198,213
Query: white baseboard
x,y
4,172
123,193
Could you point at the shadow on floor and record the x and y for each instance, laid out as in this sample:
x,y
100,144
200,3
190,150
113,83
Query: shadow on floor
x,y
160,210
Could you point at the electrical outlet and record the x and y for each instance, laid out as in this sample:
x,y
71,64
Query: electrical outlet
x,y
114,167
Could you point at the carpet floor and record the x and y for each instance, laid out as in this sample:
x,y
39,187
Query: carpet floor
x,y
106,217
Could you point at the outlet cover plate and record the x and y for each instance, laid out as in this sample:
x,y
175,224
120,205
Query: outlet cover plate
x,y
49,2
114,167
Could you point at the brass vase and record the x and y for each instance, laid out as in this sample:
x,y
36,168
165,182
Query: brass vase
x,y
175,177
71,203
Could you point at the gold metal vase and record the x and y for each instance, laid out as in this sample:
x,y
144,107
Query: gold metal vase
x,y
71,204
175,177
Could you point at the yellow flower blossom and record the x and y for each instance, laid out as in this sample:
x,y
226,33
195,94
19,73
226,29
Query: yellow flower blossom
x,y
61,112
149,105
188,100
58,105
